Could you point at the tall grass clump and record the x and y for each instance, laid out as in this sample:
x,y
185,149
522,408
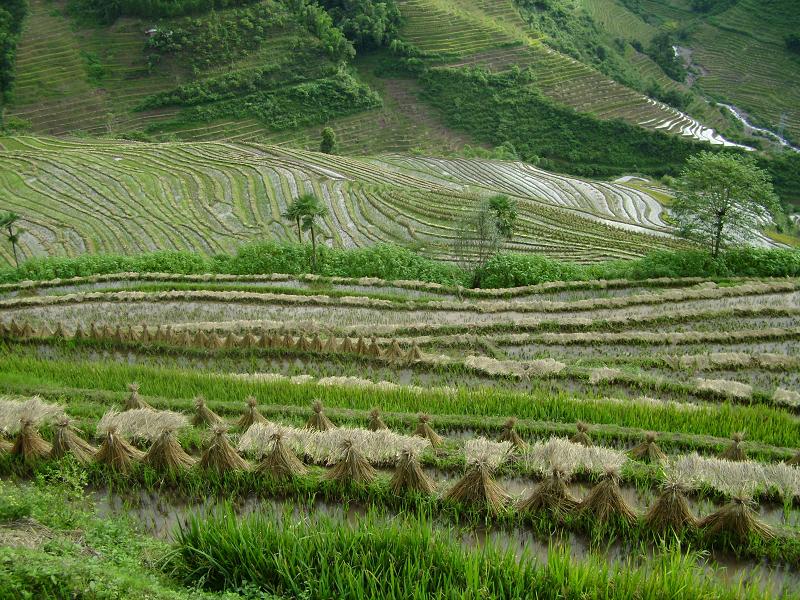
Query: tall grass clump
x,y
411,559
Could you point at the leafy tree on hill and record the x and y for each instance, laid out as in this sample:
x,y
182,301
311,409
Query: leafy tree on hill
x,y
328,142
723,199
505,213
367,23
295,212
313,210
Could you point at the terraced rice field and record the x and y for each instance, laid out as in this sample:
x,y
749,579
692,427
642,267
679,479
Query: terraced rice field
x,y
474,41
78,197
694,361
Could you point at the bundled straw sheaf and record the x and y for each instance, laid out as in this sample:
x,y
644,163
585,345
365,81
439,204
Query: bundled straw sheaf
x,y
219,455
251,414
725,387
280,461
670,511
116,452
204,416
509,434
350,465
478,486
166,453
134,401
67,441
142,423
409,476
648,450
425,430
318,421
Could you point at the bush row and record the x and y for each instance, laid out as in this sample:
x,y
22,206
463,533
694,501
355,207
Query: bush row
x,y
395,263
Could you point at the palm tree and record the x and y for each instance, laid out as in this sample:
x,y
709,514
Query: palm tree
x,y
8,220
295,211
313,209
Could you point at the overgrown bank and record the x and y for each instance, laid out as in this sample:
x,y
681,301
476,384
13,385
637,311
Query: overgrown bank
x,y
390,262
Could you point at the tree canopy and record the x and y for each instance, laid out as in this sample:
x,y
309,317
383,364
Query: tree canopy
x,y
724,199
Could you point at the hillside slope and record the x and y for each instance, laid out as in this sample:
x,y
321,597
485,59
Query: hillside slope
x,y
78,197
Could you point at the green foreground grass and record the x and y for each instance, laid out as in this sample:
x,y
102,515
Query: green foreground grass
x,y
68,551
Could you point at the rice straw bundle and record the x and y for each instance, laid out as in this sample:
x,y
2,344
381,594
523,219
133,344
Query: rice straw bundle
x,y
425,430
280,461
414,354
477,486
735,451
509,434
551,495
331,345
316,343
29,445
167,455
582,436
204,415
251,414
736,518
347,346
303,345
605,500
670,511
648,450
408,474
351,466
134,401
287,341
219,455
375,421
361,346
394,352
67,441
5,445
318,420
116,452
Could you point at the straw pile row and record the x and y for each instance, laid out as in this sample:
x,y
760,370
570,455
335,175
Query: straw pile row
x,y
201,339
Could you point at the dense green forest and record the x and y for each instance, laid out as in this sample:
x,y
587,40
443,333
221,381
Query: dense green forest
x,y
12,13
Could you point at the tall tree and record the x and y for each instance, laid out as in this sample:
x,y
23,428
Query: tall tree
x,y
295,211
8,221
723,199
328,142
505,214
477,241
313,210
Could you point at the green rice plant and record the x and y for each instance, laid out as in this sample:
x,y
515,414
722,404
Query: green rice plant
x,y
411,558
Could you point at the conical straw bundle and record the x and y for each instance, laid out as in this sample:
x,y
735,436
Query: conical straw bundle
x,y
280,461
414,354
331,345
361,346
134,401
605,501
374,349
204,415
582,436
408,475
14,412
316,343
303,345
347,346
670,511
425,430
166,454
220,456
394,352
66,441
478,486
551,495
117,453
509,434
351,466
29,445
251,414
287,341
735,451
318,420
648,450
375,421
738,519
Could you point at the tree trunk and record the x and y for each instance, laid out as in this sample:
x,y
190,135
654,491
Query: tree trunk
x,y
299,235
13,245
718,237
313,251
